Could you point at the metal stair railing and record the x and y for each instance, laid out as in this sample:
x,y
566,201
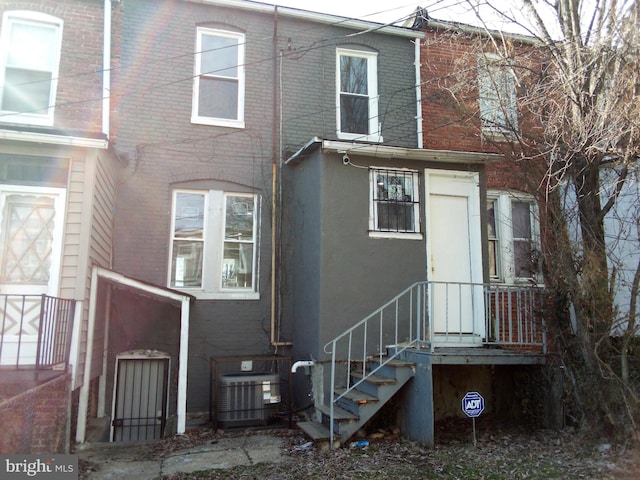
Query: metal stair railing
x,y
401,322
512,317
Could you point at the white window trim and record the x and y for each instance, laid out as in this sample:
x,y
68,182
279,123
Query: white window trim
x,y
221,122
505,262
25,16
375,134
497,132
373,232
211,289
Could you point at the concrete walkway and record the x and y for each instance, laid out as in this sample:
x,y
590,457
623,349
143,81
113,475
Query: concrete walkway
x,y
116,461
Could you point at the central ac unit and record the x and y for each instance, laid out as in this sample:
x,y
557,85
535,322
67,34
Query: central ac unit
x,y
242,398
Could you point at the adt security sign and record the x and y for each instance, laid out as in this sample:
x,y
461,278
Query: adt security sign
x,y
472,404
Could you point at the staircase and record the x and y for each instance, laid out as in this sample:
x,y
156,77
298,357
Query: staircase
x,y
360,384
354,406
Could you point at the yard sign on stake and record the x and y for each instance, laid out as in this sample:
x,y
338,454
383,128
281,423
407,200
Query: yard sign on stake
x,y
473,406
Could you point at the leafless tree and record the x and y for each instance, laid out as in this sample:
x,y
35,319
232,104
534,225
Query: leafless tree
x,y
577,77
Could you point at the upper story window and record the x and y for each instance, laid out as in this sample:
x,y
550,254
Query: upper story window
x,y
30,45
218,89
497,97
214,244
395,204
357,99
514,239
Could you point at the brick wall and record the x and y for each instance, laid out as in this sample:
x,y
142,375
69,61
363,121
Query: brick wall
x,y
450,109
79,93
35,421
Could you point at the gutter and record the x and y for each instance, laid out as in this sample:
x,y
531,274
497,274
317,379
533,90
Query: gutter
x,y
463,27
297,13
53,139
388,152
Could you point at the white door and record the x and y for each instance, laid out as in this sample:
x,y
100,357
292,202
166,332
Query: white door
x,y
454,257
31,227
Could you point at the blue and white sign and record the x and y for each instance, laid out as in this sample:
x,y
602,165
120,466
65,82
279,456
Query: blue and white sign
x,y
472,404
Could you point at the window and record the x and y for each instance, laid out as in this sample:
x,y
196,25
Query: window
x,y
213,244
29,59
497,96
357,100
514,241
218,90
395,205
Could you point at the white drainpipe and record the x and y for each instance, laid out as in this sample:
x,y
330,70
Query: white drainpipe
x,y
106,69
418,93
301,363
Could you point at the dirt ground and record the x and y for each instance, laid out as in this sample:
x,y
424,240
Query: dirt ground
x,y
500,453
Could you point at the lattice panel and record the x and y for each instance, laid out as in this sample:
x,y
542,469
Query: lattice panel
x,y
18,318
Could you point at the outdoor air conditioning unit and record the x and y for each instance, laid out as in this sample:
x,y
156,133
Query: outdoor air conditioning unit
x,y
243,399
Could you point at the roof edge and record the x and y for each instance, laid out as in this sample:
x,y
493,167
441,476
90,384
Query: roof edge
x,y
346,22
389,152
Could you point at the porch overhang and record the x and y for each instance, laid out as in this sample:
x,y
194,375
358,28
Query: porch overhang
x,y
55,137
388,152
174,297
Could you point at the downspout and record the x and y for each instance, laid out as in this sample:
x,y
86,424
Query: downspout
x,y
276,189
274,200
418,93
106,69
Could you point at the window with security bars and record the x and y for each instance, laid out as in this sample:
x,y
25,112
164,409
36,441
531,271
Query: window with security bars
x,y
395,203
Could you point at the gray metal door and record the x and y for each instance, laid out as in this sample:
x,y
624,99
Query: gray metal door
x,y
141,399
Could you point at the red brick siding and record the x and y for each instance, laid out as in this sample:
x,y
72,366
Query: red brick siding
x,y
450,93
35,421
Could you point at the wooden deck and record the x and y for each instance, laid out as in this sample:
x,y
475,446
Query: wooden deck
x,y
481,356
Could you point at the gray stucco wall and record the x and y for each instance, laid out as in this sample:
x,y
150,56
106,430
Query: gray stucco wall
x,y
359,273
336,273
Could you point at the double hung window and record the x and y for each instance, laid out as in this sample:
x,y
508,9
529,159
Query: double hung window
x,y
213,244
497,96
395,204
357,99
513,235
29,59
218,90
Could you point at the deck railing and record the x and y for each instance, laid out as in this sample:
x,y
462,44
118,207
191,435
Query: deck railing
x,y
432,314
35,331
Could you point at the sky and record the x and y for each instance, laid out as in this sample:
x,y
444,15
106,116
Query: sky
x,y
388,11
384,11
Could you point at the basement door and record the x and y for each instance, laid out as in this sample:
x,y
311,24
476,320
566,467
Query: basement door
x,y
140,403
31,224
454,257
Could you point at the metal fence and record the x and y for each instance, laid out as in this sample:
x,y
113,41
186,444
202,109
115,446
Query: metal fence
x,y
35,330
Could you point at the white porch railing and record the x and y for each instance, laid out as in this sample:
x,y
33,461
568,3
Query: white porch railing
x,y
432,314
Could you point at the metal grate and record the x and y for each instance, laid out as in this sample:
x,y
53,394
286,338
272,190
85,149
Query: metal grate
x,y
242,397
